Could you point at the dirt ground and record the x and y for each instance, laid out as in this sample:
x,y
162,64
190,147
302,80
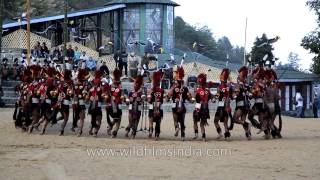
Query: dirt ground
x,y
24,156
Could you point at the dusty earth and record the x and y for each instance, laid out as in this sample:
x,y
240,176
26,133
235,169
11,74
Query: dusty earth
x,y
24,156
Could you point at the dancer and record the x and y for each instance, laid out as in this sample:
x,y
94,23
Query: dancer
x,y
155,100
179,94
135,102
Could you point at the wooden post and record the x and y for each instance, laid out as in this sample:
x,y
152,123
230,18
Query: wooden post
x,y
65,29
99,33
1,15
28,32
245,44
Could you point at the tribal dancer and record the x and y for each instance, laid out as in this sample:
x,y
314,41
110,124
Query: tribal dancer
x,y
224,95
258,92
114,101
155,100
50,105
179,94
80,93
21,113
241,94
271,100
65,96
34,94
201,113
96,99
135,102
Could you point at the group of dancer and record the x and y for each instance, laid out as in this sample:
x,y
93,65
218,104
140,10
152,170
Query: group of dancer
x,y
45,92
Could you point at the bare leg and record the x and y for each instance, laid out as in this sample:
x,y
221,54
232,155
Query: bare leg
x,y
129,125
216,123
150,127
176,124
82,116
46,122
196,119
64,123
117,126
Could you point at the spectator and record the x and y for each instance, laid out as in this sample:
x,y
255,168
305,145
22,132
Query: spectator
x,y
91,64
299,104
56,54
315,106
118,59
1,94
63,53
84,57
104,68
70,52
15,69
77,55
44,50
125,63
133,64
145,61
37,49
5,69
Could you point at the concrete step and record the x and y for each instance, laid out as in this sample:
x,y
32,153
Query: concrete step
x,y
9,100
9,94
10,83
6,88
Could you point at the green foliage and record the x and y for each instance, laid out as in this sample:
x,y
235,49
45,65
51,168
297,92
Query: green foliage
x,y
311,41
262,47
14,8
222,50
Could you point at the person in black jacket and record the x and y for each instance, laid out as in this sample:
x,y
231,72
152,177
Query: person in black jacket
x,y
104,68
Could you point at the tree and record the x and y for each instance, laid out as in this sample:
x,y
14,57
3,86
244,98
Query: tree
x,y
293,60
311,41
261,52
186,35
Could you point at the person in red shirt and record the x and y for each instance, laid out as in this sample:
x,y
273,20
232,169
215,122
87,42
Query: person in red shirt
x,y
50,103
65,96
34,96
201,112
179,94
80,93
95,98
155,100
224,95
135,101
114,102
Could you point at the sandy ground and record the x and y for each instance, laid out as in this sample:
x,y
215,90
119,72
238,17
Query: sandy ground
x,y
23,156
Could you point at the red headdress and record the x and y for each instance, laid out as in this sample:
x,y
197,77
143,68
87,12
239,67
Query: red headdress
x,y
36,71
51,72
156,78
224,76
258,73
67,74
27,75
244,70
83,74
117,75
138,82
270,73
202,79
179,74
97,77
